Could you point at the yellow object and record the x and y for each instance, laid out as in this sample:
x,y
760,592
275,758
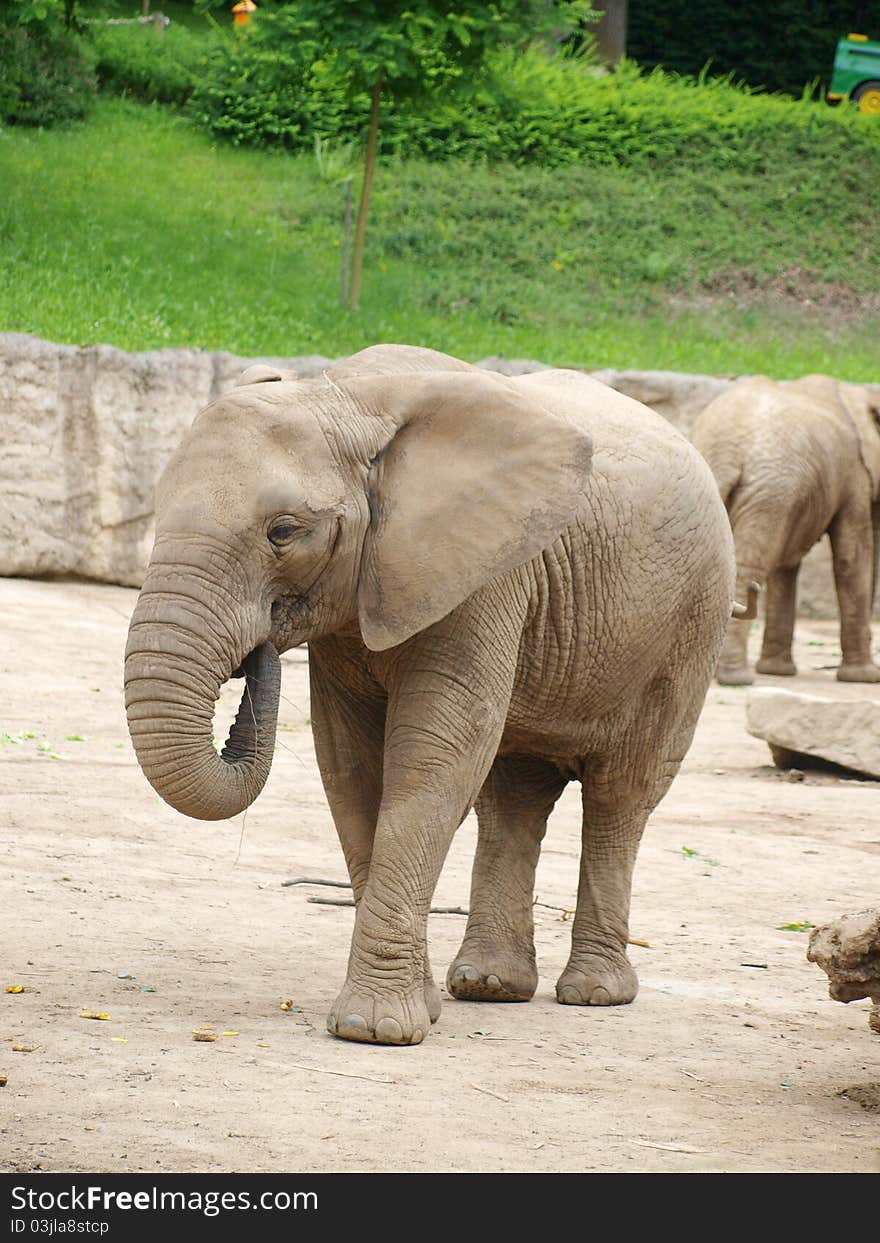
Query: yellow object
x,y
869,102
94,1014
23,1048
204,1036
287,1003
858,38
241,12
15,988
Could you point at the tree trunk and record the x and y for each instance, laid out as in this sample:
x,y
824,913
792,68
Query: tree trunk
x,y
610,30
364,205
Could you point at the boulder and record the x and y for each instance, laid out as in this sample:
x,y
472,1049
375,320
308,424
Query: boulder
x,y
848,951
839,729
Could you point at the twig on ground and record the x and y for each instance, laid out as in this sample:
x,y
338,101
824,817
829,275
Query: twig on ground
x,y
316,880
344,1074
488,1092
435,910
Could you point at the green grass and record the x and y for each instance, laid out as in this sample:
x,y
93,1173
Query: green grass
x,y
136,230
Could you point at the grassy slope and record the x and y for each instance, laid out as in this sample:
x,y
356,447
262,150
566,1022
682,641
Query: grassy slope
x,y
137,231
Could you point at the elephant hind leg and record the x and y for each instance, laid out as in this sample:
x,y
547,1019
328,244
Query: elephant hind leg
x,y
779,625
620,790
598,972
496,961
733,663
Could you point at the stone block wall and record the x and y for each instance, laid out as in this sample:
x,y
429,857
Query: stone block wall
x,y
86,431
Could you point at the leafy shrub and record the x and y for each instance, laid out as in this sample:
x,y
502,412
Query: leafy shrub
x,y
533,107
131,60
45,74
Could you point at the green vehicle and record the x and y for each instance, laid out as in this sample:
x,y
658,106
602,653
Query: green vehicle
x,y
857,74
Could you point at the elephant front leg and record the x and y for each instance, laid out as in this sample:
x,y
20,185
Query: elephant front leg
x,y
441,736
496,961
348,725
779,625
852,550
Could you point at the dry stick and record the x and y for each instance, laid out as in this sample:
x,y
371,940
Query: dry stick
x,y
345,1074
569,910
316,880
435,910
497,1095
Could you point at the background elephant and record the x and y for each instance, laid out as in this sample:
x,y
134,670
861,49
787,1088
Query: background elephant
x,y
794,461
505,585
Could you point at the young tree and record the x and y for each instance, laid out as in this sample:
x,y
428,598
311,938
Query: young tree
x,y
407,49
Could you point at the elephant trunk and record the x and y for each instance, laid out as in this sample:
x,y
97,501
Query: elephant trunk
x,y
179,653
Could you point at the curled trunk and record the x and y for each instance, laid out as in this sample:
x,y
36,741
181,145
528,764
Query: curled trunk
x,y
178,656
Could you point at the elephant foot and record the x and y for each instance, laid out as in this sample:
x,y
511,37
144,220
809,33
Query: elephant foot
x,y
739,676
594,980
777,666
492,975
858,673
385,1018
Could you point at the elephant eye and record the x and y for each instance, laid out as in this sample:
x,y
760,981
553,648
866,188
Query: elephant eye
x,y
283,532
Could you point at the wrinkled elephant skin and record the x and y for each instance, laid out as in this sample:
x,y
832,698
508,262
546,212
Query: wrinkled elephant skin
x,y
505,585
793,462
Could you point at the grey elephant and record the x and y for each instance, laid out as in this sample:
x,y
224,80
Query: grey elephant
x,y
793,461
505,585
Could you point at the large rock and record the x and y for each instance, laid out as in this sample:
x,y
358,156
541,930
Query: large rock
x,y
848,951
842,729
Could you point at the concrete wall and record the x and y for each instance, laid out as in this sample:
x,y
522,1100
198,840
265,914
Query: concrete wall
x,y
85,432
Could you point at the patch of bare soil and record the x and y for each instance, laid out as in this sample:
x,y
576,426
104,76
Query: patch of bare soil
x,y
731,1058
795,288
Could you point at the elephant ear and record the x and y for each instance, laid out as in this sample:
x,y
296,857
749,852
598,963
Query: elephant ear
x,y
477,478
863,408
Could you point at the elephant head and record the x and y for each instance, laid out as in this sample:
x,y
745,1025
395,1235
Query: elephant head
x,y
296,509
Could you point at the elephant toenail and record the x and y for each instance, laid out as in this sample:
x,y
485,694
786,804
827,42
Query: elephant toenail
x,y
492,981
600,997
389,1031
570,996
467,973
353,1023
418,1036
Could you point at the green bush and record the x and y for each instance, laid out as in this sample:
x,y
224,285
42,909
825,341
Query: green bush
x,y
45,74
132,60
533,108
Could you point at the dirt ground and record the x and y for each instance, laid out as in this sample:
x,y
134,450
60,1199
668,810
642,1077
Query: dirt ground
x,y
732,1058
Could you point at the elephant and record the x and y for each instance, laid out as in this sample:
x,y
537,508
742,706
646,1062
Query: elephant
x,y
793,461
505,585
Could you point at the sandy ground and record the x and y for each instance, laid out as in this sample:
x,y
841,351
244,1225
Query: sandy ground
x,y
732,1057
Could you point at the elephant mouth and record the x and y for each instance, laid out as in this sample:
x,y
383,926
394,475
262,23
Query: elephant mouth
x,y
259,670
